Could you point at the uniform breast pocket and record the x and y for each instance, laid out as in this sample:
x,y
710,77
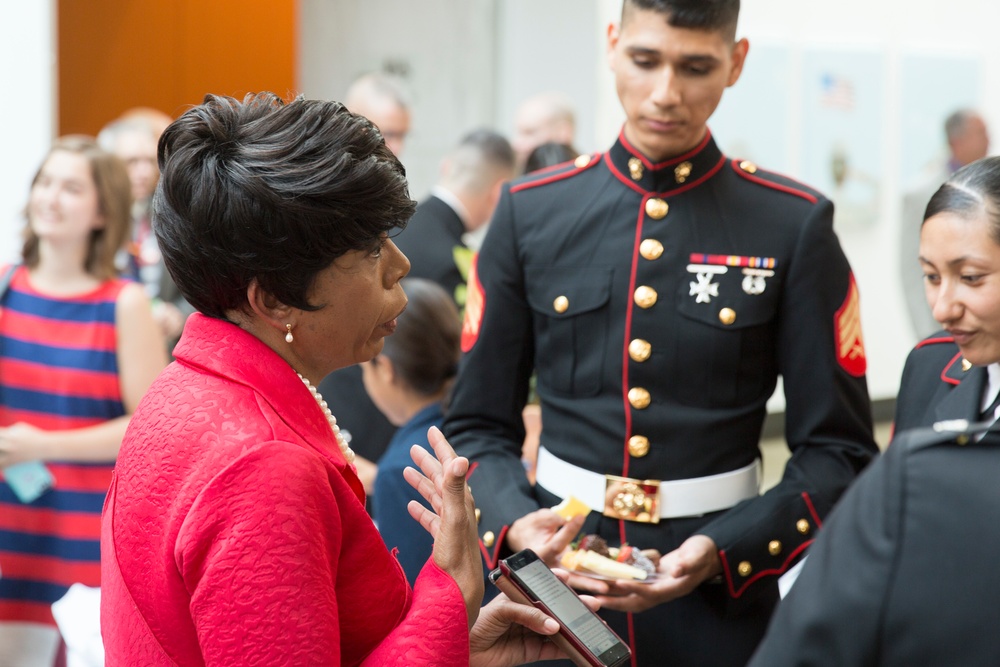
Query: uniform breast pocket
x,y
726,341
571,318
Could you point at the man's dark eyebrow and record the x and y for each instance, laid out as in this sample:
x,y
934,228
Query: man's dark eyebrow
x,y
690,58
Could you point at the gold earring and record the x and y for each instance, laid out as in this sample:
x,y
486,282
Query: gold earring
x,y
288,336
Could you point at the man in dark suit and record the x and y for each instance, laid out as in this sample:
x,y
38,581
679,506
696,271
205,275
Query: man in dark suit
x,y
659,290
460,203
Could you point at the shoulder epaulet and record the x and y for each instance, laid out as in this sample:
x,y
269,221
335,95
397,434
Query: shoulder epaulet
x,y
557,172
769,179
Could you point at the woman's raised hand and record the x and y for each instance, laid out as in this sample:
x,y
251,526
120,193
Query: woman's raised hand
x,y
452,523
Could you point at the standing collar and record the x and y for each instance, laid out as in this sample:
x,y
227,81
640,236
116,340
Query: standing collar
x,y
670,176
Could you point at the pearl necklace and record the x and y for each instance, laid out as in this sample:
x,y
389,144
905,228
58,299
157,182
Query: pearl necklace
x,y
348,454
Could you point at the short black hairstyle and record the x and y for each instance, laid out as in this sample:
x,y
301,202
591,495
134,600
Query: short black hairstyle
x,y
273,192
973,189
707,15
549,154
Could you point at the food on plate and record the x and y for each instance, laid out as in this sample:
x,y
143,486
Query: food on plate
x,y
592,554
571,507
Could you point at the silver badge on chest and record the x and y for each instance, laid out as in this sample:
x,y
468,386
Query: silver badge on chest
x,y
703,289
755,280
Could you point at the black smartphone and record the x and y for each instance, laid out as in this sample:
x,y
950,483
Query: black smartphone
x,y
583,635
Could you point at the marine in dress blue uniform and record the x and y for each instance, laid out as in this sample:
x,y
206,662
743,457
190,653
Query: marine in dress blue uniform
x,y
903,573
658,304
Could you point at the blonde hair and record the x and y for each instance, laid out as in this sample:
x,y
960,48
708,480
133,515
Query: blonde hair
x,y
114,202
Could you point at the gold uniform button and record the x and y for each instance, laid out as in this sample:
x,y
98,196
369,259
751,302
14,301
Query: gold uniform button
x,y
745,568
966,365
650,249
489,538
638,446
645,296
656,208
561,304
639,398
478,514
773,547
748,166
962,440
639,350
727,315
802,526
582,161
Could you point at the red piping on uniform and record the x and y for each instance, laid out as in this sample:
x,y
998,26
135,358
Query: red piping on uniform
x,y
946,368
492,561
774,186
556,177
763,573
684,188
784,566
472,469
932,341
812,509
628,335
668,163
631,639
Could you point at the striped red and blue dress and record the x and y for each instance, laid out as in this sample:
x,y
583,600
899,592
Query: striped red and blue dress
x,y
58,370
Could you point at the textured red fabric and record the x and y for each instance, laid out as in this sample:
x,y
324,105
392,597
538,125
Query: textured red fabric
x,y
235,532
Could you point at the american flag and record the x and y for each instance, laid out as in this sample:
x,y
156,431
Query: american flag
x,y
836,92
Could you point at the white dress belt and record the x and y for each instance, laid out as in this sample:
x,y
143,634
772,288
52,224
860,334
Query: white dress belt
x,y
678,497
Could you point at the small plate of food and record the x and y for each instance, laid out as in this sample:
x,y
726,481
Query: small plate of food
x,y
592,557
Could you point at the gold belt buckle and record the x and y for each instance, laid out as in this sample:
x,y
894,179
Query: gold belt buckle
x,y
632,499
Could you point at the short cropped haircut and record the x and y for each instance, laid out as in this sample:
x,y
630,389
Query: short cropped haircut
x,y
114,203
426,346
708,15
481,158
972,190
273,192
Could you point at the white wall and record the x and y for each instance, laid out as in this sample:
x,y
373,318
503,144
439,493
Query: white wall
x,y
896,28
27,49
442,49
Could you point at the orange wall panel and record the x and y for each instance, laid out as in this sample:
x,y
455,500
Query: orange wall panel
x,y
167,54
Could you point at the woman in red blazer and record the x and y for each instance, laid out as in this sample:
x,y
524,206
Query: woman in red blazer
x,y
235,531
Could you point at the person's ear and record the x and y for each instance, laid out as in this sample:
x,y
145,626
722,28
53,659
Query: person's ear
x,y
614,32
739,56
272,312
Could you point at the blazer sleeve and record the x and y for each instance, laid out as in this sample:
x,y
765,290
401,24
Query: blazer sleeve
x,y
833,613
263,581
828,422
484,420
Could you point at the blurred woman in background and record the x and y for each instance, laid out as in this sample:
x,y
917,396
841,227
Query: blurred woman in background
x,y
409,382
78,348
